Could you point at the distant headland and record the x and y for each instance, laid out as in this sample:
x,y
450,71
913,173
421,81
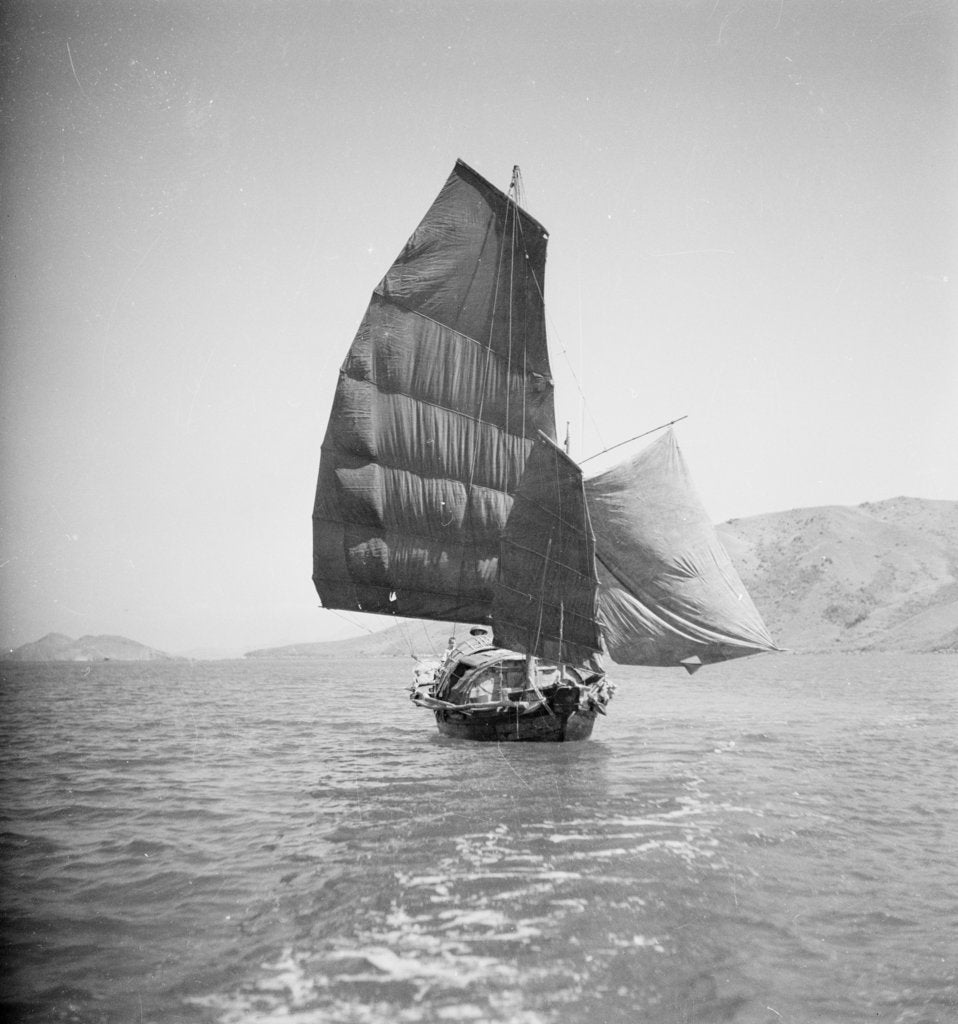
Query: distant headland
x,y
57,647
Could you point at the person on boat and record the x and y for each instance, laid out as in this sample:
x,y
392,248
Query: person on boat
x,y
450,646
479,637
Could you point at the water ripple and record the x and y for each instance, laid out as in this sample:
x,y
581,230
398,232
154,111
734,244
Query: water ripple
x,y
219,843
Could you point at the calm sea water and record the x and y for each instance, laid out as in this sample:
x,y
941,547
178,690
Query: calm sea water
x,y
773,840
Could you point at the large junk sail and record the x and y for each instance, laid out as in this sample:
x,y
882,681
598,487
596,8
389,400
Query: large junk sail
x,y
438,403
668,592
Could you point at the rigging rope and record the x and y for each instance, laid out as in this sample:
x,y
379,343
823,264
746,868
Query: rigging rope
x,y
554,334
515,189
629,440
346,618
403,625
407,638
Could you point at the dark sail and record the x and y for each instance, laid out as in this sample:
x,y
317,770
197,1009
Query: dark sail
x,y
546,592
441,395
668,593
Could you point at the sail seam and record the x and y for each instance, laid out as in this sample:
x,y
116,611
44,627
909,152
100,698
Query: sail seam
x,y
378,460
485,346
435,405
404,468
388,589
421,537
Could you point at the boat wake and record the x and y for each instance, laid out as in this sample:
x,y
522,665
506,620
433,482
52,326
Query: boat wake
x,y
536,924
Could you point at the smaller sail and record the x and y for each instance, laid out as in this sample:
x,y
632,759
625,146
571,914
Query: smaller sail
x,y
545,595
668,594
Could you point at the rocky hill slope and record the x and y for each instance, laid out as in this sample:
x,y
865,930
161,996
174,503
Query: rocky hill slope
x,y
881,576
418,638
57,647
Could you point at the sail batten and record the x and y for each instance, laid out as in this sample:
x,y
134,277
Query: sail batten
x,y
486,345
457,447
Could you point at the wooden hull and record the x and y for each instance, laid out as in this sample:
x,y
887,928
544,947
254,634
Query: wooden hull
x,y
479,691
538,727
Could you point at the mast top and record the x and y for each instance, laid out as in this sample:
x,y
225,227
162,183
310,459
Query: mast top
x,y
515,186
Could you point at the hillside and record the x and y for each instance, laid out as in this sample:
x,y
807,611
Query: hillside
x,y
57,647
410,638
880,576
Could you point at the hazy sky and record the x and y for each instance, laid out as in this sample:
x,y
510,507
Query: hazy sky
x,y
752,209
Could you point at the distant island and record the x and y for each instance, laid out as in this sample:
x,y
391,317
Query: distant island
x,y
57,647
881,576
